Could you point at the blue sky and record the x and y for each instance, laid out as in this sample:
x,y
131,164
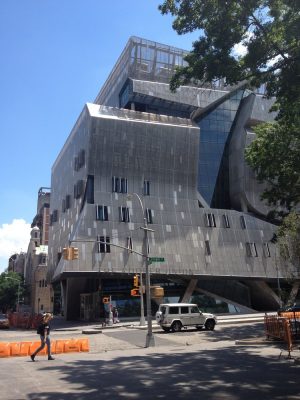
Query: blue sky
x,y
55,56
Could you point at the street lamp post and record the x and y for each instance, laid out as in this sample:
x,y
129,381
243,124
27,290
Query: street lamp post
x,y
149,337
18,295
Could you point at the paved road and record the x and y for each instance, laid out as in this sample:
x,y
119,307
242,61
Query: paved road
x,y
186,365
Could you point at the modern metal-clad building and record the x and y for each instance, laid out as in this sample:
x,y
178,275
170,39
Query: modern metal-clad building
x,y
177,160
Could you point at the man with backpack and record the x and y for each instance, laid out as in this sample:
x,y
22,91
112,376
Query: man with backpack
x,y
44,332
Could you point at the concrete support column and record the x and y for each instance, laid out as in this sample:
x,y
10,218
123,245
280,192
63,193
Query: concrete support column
x,y
189,290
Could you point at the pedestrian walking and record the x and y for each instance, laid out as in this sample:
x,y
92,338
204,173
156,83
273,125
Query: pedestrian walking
x,y
115,315
44,332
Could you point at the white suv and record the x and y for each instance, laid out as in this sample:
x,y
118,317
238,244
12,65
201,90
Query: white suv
x,y
177,315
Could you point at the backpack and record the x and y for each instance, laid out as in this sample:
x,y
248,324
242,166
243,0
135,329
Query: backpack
x,y
40,329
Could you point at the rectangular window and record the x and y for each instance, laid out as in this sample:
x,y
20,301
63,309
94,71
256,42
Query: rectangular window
x,y
54,217
76,168
124,214
129,244
115,184
251,249
174,310
119,185
90,189
63,205
101,213
81,158
226,221
68,201
243,222
210,220
149,216
207,248
146,188
78,189
266,250
103,244
124,184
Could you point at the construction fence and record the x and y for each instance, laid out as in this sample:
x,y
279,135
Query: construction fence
x,y
285,327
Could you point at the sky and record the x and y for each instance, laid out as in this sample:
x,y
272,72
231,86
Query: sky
x,y
55,57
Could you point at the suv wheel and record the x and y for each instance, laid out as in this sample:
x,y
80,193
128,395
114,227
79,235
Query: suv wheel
x,y
176,326
210,325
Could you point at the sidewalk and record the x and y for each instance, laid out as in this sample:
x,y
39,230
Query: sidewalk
x,y
59,324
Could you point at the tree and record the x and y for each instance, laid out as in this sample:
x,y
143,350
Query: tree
x,y
288,238
269,31
9,286
275,157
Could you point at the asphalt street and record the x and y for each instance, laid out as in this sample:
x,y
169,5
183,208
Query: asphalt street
x,y
186,365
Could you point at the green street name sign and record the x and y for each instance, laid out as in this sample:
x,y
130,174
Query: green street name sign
x,y
156,259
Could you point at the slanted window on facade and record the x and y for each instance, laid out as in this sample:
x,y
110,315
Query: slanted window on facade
x,y
149,215
266,248
68,201
226,221
207,248
119,185
54,217
101,213
79,160
89,190
124,214
146,188
129,244
243,222
103,244
251,249
210,220
78,189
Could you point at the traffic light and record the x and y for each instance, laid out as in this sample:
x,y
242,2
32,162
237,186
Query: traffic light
x,y
105,300
136,281
75,253
67,253
135,292
70,253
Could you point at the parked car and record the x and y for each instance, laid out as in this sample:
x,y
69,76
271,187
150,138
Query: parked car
x,y
4,322
175,316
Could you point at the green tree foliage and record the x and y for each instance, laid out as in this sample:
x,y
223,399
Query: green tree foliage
x,y
9,285
288,238
269,30
275,157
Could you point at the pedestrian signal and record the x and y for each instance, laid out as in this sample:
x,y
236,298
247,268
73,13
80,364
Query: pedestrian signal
x,y
136,281
135,292
105,300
